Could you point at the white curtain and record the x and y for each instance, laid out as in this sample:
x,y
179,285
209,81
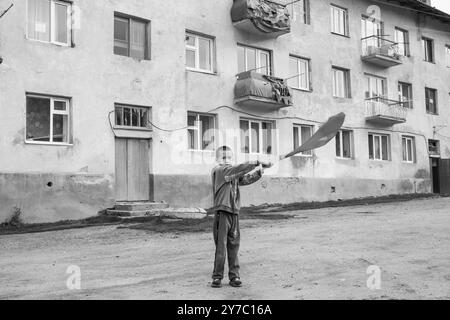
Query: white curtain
x,y
39,20
137,39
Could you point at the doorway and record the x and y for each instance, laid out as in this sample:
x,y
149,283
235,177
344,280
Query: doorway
x,y
435,172
132,169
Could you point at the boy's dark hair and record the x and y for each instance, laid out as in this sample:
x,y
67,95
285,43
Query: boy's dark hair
x,y
222,148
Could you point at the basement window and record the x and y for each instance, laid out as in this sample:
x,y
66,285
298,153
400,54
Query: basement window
x,y
132,116
47,119
49,21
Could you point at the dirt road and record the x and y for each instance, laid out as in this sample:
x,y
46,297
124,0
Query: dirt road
x,y
321,254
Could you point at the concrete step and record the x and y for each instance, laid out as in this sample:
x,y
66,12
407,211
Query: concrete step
x,y
140,206
173,213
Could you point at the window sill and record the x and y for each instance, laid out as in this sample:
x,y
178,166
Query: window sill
x,y
132,128
408,162
128,58
60,144
201,151
301,90
378,160
432,114
345,159
58,44
202,71
340,34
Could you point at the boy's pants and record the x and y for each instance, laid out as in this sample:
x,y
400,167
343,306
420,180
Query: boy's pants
x,y
227,239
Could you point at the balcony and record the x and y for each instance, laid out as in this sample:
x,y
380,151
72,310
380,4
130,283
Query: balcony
x,y
261,17
384,112
256,90
380,51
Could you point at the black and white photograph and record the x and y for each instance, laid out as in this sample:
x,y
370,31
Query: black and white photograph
x,y
234,151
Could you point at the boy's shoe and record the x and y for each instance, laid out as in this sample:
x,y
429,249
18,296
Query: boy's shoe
x,y
235,282
216,283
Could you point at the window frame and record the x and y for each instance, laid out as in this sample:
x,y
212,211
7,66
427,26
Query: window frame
x,y
298,60
410,103
346,28
131,127
198,128
147,45
447,55
69,23
305,11
438,147
435,101
260,137
413,149
196,50
347,82
67,112
425,50
299,127
384,83
341,145
406,44
258,52
388,147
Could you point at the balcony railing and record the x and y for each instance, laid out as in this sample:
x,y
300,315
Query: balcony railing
x,y
380,51
385,112
256,90
261,17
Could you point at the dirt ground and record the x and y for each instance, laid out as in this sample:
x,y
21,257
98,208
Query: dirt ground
x,y
315,254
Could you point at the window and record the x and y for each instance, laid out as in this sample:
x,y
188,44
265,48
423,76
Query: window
x,y
379,147
254,59
405,94
434,148
408,149
339,20
201,129
341,83
344,142
47,119
49,21
299,73
431,100
428,49
301,134
256,136
300,11
402,40
199,53
371,28
447,55
132,116
131,37
375,87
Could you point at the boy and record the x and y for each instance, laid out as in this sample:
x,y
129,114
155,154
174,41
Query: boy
x,y
226,179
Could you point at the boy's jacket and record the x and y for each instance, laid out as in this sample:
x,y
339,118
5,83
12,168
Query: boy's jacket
x,y
226,180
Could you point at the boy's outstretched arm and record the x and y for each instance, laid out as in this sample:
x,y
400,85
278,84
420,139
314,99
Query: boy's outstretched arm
x,y
250,178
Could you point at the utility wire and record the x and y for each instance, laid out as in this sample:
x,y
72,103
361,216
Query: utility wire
x,y
4,12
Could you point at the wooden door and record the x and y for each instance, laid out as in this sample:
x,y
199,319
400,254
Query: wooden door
x,y
444,176
132,170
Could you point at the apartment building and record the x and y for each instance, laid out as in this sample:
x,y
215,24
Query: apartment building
x,y
106,101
